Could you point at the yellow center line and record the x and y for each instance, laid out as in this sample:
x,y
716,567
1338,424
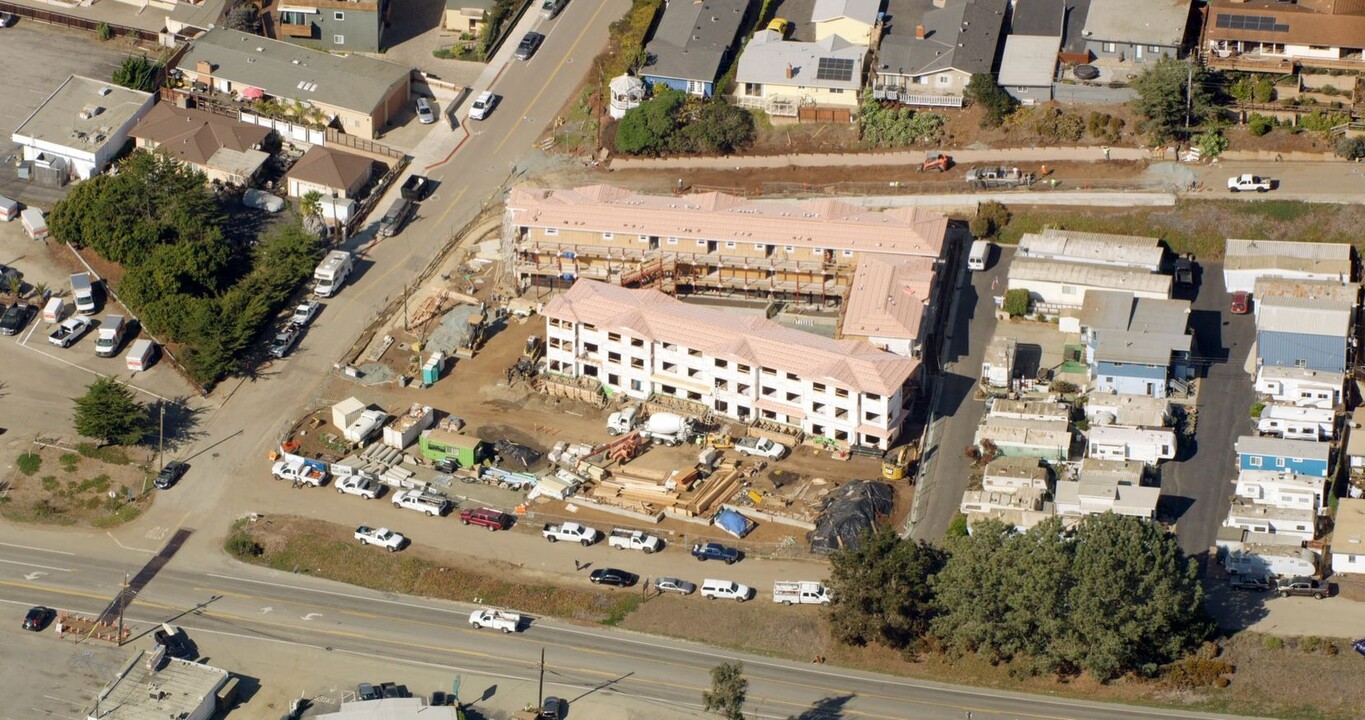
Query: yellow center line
x,y
551,80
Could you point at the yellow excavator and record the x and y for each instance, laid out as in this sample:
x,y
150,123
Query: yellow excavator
x,y
898,463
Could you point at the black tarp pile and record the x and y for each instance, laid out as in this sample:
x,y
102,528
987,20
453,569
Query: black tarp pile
x,y
848,513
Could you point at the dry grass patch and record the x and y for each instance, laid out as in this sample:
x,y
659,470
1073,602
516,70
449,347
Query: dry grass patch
x,y
55,486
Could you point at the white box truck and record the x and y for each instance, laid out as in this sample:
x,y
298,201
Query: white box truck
x,y
83,293
790,592
332,273
110,336
141,355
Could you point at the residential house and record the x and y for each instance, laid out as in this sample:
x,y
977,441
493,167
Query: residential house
x,y
338,25
1247,260
1264,559
1354,446
81,126
997,365
1348,537
890,302
225,150
1274,35
717,244
330,172
1062,19
1268,453
1300,386
1029,409
782,76
1300,523
1028,67
933,48
1048,440
1116,30
467,16
644,343
1139,411
187,20
1294,422
1022,508
1009,474
1106,486
354,94
1135,345
852,20
692,44
1122,251
1064,284
1146,445
1283,488
1304,333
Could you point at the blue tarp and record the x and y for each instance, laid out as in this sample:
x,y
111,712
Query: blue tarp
x,y
1359,646
734,523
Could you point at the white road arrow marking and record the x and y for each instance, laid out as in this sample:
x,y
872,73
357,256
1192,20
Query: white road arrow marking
x,y
34,575
267,609
310,616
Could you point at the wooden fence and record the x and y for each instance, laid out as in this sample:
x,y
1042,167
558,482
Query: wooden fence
x,y
55,18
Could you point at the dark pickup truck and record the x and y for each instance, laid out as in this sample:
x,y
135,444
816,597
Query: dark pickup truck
x,y
415,187
487,517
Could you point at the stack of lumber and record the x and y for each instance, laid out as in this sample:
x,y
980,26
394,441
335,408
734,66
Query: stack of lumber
x,y
718,487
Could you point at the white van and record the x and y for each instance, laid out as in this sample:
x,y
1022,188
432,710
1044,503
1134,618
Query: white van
x,y
140,356
725,590
980,255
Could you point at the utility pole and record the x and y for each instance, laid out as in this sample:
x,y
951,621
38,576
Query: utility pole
x,y
1189,93
540,690
405,308
122,603
161,439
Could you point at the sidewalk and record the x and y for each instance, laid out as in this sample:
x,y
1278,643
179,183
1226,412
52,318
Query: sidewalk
x,y
906,157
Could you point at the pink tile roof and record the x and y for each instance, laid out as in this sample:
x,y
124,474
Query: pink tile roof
x,y
823,223
650,314
889,296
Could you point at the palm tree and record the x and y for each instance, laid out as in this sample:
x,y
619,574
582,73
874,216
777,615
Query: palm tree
x,y
311,204
13,283
39,290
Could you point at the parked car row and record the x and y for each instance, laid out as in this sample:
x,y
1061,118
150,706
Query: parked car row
x,y
288,337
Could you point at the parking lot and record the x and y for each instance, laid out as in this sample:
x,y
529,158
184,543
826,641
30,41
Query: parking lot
x,y
39,58
41,379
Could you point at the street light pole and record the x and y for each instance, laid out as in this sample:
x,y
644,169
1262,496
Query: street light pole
x,y
122,602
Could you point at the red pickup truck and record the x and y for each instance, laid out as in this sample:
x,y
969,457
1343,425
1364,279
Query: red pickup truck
x,y
492,519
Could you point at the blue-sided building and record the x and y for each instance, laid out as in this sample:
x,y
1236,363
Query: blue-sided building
x,y
692,44
1133,345
1303,332
1304,457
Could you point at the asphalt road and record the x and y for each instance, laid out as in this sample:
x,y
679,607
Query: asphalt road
x,y
1195,491
217,597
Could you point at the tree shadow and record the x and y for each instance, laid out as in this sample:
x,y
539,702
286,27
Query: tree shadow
x,y
181,423
830,708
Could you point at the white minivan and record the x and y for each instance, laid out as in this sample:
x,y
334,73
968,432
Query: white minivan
x,y
980,255
725,590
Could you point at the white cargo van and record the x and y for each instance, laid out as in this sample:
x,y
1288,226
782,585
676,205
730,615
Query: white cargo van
x,y
141,355
980,255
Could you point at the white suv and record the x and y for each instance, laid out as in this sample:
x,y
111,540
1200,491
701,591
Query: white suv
x,y
483,104
725,590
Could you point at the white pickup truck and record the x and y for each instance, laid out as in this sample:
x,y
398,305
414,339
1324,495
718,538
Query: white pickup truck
x,y
299,472
790,592
496,619
358,485
383,537
634,540
1249,183
761,447
571,532
428,503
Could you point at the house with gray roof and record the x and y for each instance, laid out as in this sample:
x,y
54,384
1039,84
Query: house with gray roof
x,y
1135,345
1028,66
853,20
931,49
781,76
1117,30
1307,333
355,94
692,44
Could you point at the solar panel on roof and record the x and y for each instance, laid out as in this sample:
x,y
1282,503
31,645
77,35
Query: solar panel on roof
x,y
834,69
1258,23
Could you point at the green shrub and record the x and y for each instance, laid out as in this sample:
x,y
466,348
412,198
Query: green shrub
x,y
69,461
1351,148
990,217
29,463
1256,409
1212,144
983,90
1322,120
50,484
1260,124
104,32
1016,302
241,545
958,527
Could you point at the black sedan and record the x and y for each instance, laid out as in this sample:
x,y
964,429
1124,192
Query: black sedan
x,y
168,476
15,319
612,576
38,618
528,46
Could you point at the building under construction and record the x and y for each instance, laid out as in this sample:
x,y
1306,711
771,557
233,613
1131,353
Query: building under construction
x,y
707,244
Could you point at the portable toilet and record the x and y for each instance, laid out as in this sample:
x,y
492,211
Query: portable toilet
x,y
431,371
52,311
9,209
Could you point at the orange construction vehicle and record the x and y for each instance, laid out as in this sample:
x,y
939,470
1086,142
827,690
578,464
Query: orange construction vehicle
x,y
936,161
